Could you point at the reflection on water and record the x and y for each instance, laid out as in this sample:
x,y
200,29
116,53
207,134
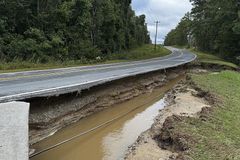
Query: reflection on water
x,y
117,141
109,142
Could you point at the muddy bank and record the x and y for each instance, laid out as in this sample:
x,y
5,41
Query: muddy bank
x,y
48,115
158,143
111,141
210,67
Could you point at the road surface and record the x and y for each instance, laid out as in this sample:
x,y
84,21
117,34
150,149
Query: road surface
x,y
41,83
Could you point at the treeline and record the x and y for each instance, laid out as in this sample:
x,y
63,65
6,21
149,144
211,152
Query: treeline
x,y
59,30
212,26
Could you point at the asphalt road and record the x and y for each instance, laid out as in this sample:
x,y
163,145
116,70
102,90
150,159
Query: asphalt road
x,y
29,84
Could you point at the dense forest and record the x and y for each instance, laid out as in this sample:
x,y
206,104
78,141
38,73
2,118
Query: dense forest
x,y
212,26
59,30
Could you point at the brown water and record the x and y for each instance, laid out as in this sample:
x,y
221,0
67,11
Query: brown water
x,y
109,142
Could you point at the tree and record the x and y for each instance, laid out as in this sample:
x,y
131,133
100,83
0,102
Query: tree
x,y
60,30
179,35
215,27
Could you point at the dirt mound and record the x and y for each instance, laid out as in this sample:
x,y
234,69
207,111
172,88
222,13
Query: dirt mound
x,y
184,101
169,139
205,114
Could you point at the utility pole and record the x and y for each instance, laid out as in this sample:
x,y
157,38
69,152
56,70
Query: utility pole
x,y
157,22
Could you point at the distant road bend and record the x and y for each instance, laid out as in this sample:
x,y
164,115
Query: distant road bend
x,y
53,82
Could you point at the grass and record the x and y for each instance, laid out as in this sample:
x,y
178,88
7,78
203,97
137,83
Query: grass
x,y
212,59
144,52
180,47
209,58
217,138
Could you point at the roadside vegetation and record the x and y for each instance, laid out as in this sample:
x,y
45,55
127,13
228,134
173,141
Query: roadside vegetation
x,y
144,52
209,58
216,134
44,33
211,27
211,31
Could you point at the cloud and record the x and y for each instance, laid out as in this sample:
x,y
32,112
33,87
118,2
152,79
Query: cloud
x,y
168,12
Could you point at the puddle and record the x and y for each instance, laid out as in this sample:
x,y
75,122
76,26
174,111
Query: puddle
x,y
109,142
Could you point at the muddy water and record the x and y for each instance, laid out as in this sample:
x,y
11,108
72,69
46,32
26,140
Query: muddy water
x,y
109,142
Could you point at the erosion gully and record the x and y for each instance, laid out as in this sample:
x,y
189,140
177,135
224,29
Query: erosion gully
x,y
111,141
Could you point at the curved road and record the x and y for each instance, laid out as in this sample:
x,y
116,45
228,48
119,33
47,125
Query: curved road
x,y
23,85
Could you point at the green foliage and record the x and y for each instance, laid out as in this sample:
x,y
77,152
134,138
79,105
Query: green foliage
x,y
143,52
179,36
212,59
214,27
43,31
218,136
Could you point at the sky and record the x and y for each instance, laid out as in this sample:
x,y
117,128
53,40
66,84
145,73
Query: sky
x,y
168,12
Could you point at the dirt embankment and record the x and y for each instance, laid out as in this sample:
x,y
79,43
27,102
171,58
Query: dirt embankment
x,y
48,115
159,142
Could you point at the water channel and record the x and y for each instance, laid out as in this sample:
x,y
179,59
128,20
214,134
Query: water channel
x,y
109,142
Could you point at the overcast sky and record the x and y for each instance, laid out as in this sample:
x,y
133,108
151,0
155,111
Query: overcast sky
x,y
168,12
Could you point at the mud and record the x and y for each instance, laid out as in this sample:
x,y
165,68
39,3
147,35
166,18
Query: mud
x,y
111,141
48,115
159,142
197,65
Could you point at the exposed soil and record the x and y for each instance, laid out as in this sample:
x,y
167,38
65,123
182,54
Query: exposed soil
x,y
159,142
196,65
48,115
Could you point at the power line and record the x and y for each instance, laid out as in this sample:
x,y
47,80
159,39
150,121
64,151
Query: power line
x,y
107,123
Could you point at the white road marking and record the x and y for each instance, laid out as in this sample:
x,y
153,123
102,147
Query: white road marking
x,y
47,91
114,65
85,70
